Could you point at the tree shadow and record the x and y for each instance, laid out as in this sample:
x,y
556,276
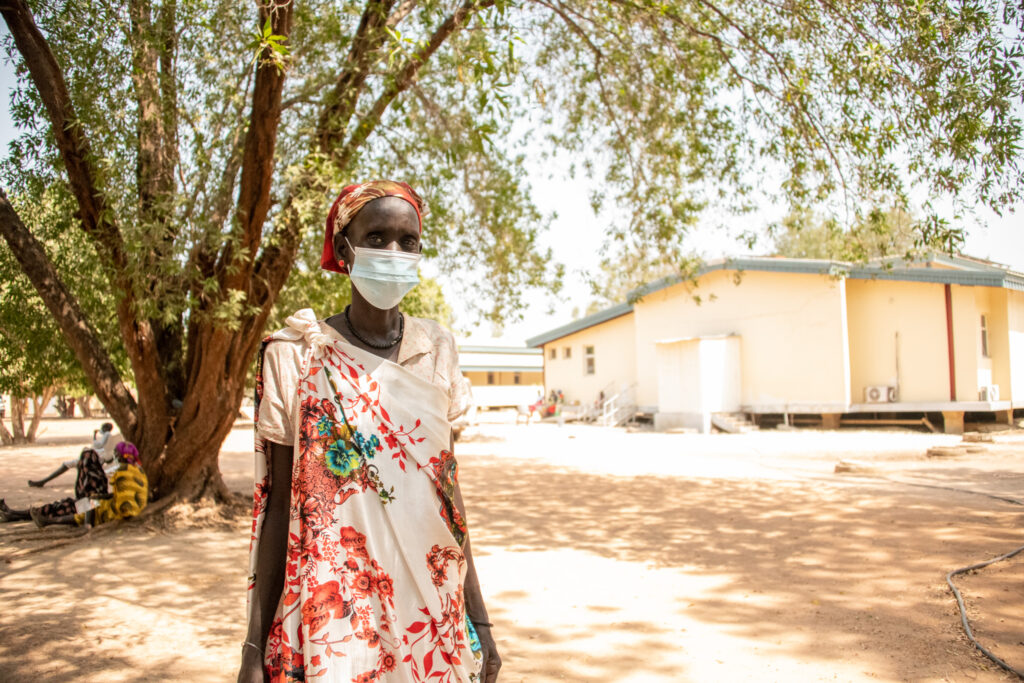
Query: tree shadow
x,y
118,589
859,565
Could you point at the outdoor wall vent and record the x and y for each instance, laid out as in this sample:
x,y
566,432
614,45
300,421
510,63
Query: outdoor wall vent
x,y
880,394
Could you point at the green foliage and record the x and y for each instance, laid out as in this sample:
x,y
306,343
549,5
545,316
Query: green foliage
x,y
672,107
880,234
621,276
681,105
33,354
843,106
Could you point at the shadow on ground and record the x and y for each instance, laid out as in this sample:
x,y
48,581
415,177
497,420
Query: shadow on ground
x,y
811,569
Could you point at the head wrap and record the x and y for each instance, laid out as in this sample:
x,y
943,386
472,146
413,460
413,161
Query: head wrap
x,y
353,198
127,451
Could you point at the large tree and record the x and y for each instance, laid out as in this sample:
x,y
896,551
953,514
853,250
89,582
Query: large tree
x,y
201,141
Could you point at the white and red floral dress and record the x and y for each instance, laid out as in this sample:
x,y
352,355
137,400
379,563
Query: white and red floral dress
x,y
374,567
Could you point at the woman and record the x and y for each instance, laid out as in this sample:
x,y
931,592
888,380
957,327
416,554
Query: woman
x,y
360,561
90,486
130,487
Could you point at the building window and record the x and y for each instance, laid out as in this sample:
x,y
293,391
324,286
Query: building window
x,y
554,353
984,336
566,352
515,378
588,360
490,378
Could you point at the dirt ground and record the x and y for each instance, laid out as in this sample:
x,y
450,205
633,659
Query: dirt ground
x,y
605,556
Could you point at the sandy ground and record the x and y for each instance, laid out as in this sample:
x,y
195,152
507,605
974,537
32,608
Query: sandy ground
x,y
606,556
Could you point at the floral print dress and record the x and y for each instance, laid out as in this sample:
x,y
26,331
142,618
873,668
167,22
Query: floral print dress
x,y
374,567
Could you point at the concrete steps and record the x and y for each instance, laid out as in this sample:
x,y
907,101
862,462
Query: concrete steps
x,y
732,423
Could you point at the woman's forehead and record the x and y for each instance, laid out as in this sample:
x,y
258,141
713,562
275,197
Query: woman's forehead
x,y
386,212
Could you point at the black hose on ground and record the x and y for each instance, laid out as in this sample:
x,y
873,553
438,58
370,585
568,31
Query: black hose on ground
x,y
964,570
963,610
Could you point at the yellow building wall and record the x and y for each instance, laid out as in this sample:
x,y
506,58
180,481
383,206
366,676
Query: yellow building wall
x,y
479,378
995,368
791,328
614,360
1015,344
878,310
966,341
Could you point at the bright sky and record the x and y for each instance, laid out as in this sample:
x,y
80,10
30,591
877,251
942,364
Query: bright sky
x,y
576,235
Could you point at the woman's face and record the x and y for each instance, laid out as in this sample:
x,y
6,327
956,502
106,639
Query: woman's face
x,y
385,223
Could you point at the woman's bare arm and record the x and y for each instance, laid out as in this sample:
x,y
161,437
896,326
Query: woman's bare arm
x,y
270,563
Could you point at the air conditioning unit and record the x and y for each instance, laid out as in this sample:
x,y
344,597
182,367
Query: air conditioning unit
x,y
989,393
880,394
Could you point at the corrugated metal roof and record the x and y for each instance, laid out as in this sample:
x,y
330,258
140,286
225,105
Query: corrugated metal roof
x,y
965,271
470,348
499,368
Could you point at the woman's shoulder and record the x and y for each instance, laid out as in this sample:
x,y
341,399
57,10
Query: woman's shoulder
x,y
440,337
294,336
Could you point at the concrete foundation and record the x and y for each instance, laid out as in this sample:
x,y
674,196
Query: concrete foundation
x,y
953,421
830,420
664,421
1004,416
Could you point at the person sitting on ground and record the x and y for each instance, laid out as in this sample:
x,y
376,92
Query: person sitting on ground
x,y
100,443
129,485
129,498
90,485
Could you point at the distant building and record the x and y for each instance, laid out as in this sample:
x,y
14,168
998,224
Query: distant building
x,y
502,376
798,336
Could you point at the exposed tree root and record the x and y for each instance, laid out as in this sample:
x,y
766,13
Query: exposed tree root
x,y
221,507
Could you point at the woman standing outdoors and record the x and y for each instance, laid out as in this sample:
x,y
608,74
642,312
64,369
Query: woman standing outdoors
x,y
360,562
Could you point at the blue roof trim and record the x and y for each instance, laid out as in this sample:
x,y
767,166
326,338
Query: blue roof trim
x,y
581,324
469,348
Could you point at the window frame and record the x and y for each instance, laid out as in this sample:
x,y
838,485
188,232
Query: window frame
x,y
985,350
589,360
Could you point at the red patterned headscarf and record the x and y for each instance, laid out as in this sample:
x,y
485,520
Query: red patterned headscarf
x,y
350,201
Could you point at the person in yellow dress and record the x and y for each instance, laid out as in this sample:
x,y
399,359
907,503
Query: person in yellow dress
x,y
129,487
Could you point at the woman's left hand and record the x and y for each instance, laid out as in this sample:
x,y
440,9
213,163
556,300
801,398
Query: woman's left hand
x,y
492,661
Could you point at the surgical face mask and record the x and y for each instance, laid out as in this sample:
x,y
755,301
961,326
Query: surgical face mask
x,y
383,276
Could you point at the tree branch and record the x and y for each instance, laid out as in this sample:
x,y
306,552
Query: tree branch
x,y
96,219
96,216
406,76
340,104
253,203
68,315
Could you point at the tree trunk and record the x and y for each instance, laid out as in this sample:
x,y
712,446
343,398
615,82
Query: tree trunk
x,y
188,468
85,405
6,438
18,419
39,404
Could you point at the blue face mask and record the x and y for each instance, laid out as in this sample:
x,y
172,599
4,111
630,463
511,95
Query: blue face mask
x,y
383,276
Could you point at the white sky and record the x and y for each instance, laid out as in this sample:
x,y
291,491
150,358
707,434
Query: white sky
x,y
576,236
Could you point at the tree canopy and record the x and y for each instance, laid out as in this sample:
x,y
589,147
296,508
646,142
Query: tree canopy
x,y
199,145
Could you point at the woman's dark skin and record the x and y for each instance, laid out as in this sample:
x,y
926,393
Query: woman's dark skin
x,y
385,223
